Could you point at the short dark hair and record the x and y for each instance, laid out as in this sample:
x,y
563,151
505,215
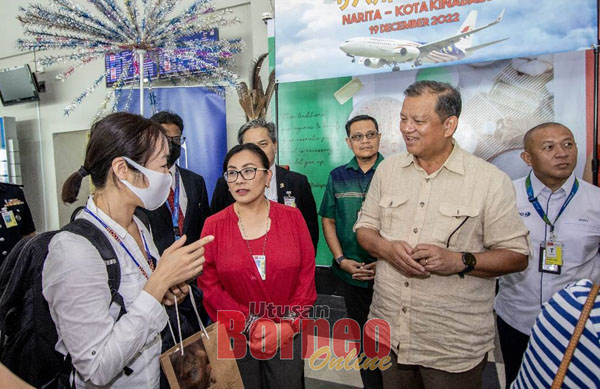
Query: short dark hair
x,y
258,123
119,134
448,103
529,133
168,117
358,118
246,146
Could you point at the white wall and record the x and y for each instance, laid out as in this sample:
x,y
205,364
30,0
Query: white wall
x,y
37,122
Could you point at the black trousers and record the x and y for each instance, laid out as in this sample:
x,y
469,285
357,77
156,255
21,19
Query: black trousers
x,y
358,301
274,373
513,344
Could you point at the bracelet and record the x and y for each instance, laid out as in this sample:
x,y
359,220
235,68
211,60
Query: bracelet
x,y
250,320
293,319
339,259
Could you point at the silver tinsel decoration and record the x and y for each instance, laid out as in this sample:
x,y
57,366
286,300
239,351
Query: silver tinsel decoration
x,y
82,34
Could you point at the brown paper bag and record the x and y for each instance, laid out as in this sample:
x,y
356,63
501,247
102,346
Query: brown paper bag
x,y
199,366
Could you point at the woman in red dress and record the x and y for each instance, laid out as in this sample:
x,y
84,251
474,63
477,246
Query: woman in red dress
x,y
261,265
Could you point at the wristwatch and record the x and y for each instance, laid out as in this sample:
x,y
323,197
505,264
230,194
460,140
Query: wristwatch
x,y
339,259
470,261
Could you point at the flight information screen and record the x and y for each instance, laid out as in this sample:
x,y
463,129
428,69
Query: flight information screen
x,y
180,60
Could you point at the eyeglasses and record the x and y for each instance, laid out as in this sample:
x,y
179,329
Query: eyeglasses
x,y
359,137
247,173
177,140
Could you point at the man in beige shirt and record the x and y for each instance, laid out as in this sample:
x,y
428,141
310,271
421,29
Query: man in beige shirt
x,y
443,223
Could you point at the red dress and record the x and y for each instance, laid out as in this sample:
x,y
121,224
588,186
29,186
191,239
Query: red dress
x,y
231,280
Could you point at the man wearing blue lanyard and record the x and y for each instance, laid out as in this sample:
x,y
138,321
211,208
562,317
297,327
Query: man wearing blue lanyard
x,y
186,208
563,218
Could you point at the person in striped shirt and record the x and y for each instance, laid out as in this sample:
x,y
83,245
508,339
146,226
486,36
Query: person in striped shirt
x,y
550,337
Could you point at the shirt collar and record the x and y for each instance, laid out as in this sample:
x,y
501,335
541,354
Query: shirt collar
x,y
538,186
116,227
172,171
455,162
353,164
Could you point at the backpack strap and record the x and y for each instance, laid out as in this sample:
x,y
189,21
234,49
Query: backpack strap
x,y
97,238
143,216
76,212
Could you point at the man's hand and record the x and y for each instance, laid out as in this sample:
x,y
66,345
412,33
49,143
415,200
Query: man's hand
x,y
367,273
438,260
358,270
399,255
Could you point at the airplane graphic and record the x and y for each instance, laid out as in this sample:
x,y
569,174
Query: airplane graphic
x,y
377,52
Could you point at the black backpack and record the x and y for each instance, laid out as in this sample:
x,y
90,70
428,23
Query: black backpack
x,y
27,333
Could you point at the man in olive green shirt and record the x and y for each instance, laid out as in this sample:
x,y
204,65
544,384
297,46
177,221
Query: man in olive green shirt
x,y
345,192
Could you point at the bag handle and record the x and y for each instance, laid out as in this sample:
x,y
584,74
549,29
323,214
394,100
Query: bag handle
x,y
583,318
195,308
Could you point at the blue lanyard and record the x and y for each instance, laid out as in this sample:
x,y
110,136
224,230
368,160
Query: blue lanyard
x,y
116,237
175,210
536,204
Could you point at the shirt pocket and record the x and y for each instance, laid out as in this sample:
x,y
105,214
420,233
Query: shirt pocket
x,y
456,226
586,236
391,211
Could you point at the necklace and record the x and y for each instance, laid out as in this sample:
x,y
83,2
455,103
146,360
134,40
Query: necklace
x,y
259,260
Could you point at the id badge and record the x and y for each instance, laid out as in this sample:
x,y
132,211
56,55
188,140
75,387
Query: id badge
x,y
9,218
261,265
551,257
289,200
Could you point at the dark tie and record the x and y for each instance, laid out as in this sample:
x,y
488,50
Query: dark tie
x,y
171,201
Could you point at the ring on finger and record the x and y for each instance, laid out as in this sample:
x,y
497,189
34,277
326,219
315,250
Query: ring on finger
x,y
426,262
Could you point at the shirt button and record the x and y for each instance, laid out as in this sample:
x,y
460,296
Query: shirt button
x,y
421,204
1,239
416,230
404,309
4,253
427,180
406,284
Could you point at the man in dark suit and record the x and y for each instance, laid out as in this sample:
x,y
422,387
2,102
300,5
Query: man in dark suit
x,y
286,187
187,206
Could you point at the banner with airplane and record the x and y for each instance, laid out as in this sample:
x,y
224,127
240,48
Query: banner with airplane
x,y
316,39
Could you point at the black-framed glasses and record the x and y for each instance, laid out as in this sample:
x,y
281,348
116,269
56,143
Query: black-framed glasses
x,y
247,173
359,137
177,140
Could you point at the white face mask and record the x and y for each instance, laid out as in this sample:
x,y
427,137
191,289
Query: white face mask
x,y
158,188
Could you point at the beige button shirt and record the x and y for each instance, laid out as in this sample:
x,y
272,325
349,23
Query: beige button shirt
x,y
442,322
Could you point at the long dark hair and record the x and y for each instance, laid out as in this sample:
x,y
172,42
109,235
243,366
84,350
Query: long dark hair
x,y
119,134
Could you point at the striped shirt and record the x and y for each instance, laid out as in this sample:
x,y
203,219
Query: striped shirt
x,y
551,335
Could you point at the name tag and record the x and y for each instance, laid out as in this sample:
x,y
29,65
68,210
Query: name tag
x,y
289,200
9,218
261,265
551,257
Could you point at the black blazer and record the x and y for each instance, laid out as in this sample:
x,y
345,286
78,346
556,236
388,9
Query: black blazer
x,y
287,181
196,212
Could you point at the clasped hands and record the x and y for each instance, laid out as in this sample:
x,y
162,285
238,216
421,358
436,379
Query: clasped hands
x,y
423,259
358,270
271,336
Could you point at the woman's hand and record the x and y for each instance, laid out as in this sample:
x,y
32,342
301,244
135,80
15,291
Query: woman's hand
x,y
272,340
178,264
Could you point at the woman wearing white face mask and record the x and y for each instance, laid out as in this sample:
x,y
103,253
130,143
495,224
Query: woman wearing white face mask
x,y
126,158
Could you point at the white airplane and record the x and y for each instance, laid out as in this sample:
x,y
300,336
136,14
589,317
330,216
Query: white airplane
x,y
377,52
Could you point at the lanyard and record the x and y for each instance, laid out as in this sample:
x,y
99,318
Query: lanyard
x,y
175,210
112,233
536,204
